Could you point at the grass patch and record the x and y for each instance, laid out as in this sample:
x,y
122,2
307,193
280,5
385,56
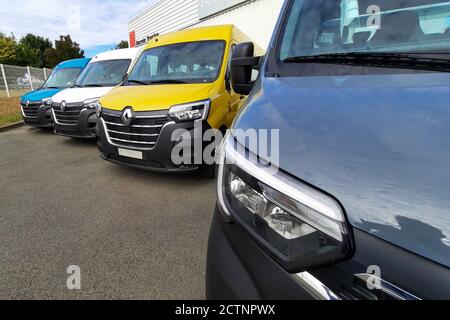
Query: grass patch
x,y
9,110
10,118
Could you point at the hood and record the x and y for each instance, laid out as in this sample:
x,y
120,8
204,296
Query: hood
x,y
38,95
379,144
156,97
74,95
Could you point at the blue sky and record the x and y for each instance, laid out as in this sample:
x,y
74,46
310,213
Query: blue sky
x,y
90,52
97,25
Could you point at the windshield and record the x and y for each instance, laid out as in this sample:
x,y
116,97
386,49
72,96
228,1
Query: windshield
x,y
62,78
107,73
191,62
317,27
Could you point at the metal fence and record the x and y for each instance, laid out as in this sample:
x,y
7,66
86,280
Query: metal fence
x,y
15,81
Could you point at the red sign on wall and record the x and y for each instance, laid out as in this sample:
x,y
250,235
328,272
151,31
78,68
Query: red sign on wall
x,y
132,39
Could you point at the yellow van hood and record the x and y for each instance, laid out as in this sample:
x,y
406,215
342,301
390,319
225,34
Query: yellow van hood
x,y
156,97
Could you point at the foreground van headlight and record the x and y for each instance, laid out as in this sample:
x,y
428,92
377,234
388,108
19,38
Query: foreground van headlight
x,y
190,111
98,109
90,103
46,102
301,227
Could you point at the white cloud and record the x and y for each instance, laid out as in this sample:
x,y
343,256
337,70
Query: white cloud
x,y
99,22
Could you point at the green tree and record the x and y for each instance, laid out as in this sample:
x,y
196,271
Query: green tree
x,y
65,49
8,49
122,45
27,56
31,51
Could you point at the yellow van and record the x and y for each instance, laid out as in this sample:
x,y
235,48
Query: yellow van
x,y
180,81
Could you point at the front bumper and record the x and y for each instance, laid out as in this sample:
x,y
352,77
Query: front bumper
x,y
84,128
41,118
156,158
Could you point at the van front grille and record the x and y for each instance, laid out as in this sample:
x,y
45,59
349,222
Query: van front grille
x,y
69,116
31,110
142,133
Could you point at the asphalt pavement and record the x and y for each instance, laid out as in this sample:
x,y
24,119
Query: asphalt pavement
x,y
134,234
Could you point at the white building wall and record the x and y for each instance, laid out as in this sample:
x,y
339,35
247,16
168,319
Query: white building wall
x,y
255,18
164,17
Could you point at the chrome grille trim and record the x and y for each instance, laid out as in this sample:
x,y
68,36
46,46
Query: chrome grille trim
x,y
134,126
136,142
59,111
32,110
134,134
316,288
137,117
121,136
388,288
67,117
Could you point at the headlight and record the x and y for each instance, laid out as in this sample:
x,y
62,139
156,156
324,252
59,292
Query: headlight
x,y
190,111
90,103
98,109
47,102
301,227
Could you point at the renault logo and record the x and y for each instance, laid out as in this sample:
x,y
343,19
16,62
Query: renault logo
x,y
127,116
28,103
63,105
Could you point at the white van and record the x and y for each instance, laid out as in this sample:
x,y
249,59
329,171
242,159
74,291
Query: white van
x,y
74,109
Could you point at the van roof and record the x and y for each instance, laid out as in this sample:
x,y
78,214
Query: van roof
x,y
220,32
129,53
74,63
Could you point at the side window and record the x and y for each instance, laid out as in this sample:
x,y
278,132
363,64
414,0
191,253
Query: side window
x,y
148,67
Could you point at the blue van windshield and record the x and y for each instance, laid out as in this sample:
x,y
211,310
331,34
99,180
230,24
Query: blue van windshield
x,y
317,27
62,78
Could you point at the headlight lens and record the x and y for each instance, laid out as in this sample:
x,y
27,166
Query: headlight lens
x,y
298,225
46,102
90,103
279,220
190,111
98,109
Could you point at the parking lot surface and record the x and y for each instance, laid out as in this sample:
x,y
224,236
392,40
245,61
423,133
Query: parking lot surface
x,y
134,234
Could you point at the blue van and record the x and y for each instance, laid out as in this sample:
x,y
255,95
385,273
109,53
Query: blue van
x,y
36,105
357,205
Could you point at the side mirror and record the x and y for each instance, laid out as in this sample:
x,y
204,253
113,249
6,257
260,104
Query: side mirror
x,y
242,64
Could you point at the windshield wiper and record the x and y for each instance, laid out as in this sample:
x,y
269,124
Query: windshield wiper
x,y
138,82
169,81
51,87
77,86
93,85
378,59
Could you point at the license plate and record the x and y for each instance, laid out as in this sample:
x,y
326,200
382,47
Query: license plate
x,y
131,154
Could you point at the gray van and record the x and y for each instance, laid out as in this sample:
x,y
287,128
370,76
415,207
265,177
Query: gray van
x,y
359,206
